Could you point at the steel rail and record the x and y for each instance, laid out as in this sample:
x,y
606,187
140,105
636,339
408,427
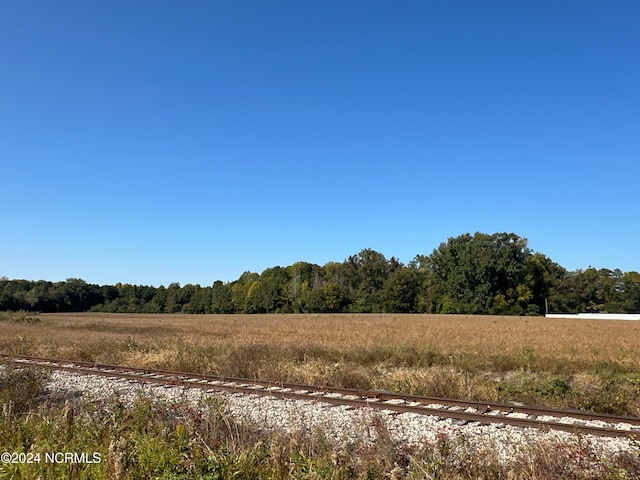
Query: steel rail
x,y
451,408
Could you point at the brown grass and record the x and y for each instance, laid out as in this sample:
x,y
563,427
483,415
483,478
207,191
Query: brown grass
x,y
562,362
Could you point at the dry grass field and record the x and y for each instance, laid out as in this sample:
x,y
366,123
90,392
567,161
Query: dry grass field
x,y
586,364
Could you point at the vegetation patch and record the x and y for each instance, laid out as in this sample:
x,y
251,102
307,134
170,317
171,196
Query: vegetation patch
x,y
177,440
584,364
470,274
21,316
19,387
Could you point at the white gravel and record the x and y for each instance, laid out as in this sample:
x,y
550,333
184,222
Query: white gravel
x,y
341,423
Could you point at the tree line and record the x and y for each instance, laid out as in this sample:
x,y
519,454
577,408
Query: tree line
x,y
474,274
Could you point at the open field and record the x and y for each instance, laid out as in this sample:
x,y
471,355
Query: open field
x,y
586,364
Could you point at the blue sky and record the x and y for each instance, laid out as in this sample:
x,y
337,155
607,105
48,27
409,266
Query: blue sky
x,y
150,142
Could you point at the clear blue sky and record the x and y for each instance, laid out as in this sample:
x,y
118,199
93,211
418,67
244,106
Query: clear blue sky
x,y
149,142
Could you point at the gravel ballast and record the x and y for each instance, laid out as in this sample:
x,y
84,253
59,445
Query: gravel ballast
x,y
340,423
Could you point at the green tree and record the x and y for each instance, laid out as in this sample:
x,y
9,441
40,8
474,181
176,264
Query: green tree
x,y
158,302
479,274
199,299
239,290
542,277
253,301
400,292
174,298
371,271
299,274
221,301
273,289
332,298
629,287
340,276
78,295
594,290
313,300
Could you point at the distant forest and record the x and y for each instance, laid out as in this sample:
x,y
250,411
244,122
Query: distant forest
x,y
477,274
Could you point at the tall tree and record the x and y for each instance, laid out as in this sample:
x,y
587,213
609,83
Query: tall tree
x,y
479,273
239,290
221,301
400,292
371,270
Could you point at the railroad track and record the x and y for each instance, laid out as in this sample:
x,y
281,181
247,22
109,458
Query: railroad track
x,y
462,411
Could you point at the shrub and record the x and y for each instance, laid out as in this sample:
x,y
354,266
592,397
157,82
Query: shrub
x,y
19,387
